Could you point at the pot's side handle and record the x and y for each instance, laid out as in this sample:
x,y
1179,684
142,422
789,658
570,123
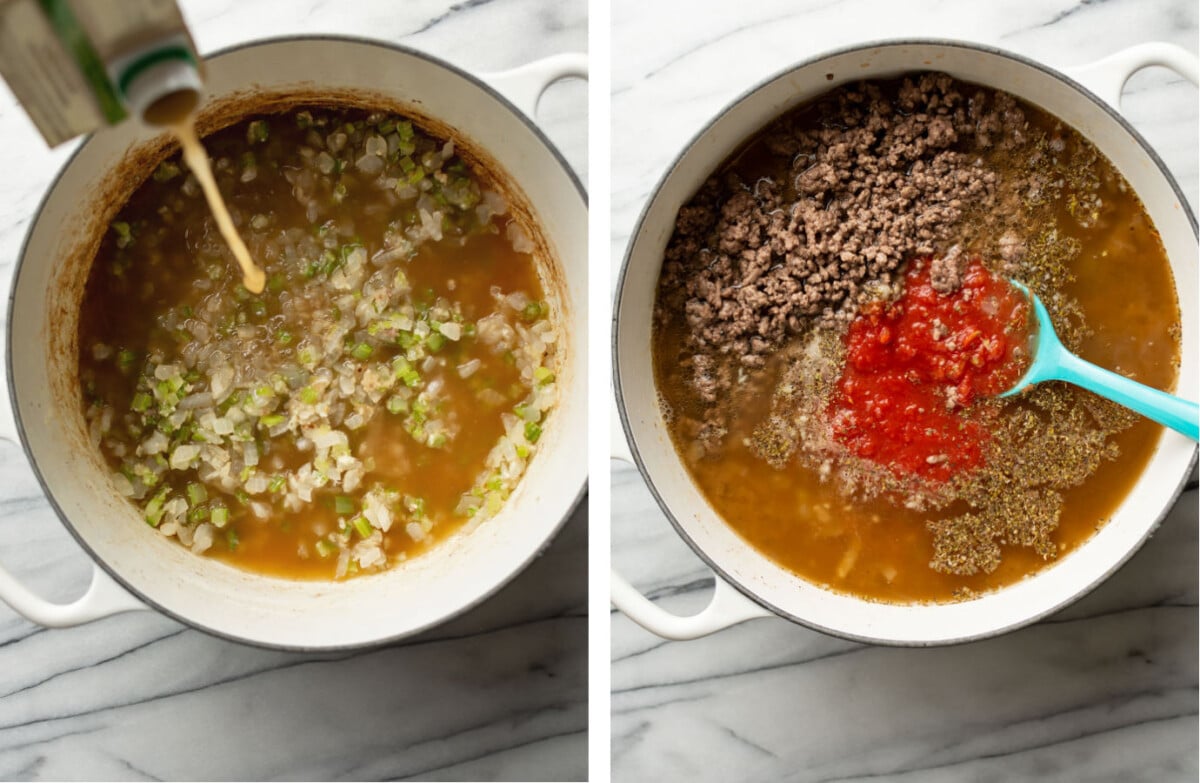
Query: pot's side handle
x,y
525,84
103,598
727,608
1107,77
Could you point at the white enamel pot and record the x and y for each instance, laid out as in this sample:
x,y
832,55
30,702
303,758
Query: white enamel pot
x,y
137,568
748,584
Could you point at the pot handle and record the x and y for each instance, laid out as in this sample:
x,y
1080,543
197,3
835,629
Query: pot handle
x,y
1106,77
727,608
103,598
525,84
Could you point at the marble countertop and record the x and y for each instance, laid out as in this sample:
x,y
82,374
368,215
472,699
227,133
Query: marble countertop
x,y
1106,690
500,693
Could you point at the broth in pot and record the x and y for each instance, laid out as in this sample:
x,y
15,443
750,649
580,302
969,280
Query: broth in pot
x,y
834,320
387,387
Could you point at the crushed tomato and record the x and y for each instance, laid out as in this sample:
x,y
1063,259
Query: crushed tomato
x,y
915,366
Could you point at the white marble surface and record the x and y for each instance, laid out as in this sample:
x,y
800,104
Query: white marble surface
x,y
1106,690
500,693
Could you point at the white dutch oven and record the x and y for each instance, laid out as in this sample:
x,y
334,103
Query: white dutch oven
x,y
136,567
749,585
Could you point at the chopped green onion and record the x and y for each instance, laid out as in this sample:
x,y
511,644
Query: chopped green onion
x,y
437,440
272,419
277,484
275,282
308,395
543,375
220,516
283,336
396,405
362,352
435,341
231,539
532,432
343,505
326,548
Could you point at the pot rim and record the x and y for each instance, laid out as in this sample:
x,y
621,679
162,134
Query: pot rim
x,y
49,495
640,225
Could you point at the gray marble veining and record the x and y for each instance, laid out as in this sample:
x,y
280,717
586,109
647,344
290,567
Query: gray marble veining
x,y
499,693
1103,691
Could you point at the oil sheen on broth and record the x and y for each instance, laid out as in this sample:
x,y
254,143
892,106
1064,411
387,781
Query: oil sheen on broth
x,y
387,387
1054,214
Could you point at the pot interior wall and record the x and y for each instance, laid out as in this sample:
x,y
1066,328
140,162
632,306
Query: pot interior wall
x,y
778,588
425,590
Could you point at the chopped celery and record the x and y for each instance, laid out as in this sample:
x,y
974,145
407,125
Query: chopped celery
x,y
167,171
196,493
363,527
532,311
415,505
257,132
124,233
532,432
154,509
141,402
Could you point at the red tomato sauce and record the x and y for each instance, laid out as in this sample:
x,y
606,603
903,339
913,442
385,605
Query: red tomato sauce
x,y
915,366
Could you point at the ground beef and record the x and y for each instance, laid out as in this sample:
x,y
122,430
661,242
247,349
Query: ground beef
x,y
868,180
945,271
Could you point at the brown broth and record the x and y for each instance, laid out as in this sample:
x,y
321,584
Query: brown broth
x,y
878,549
177,265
